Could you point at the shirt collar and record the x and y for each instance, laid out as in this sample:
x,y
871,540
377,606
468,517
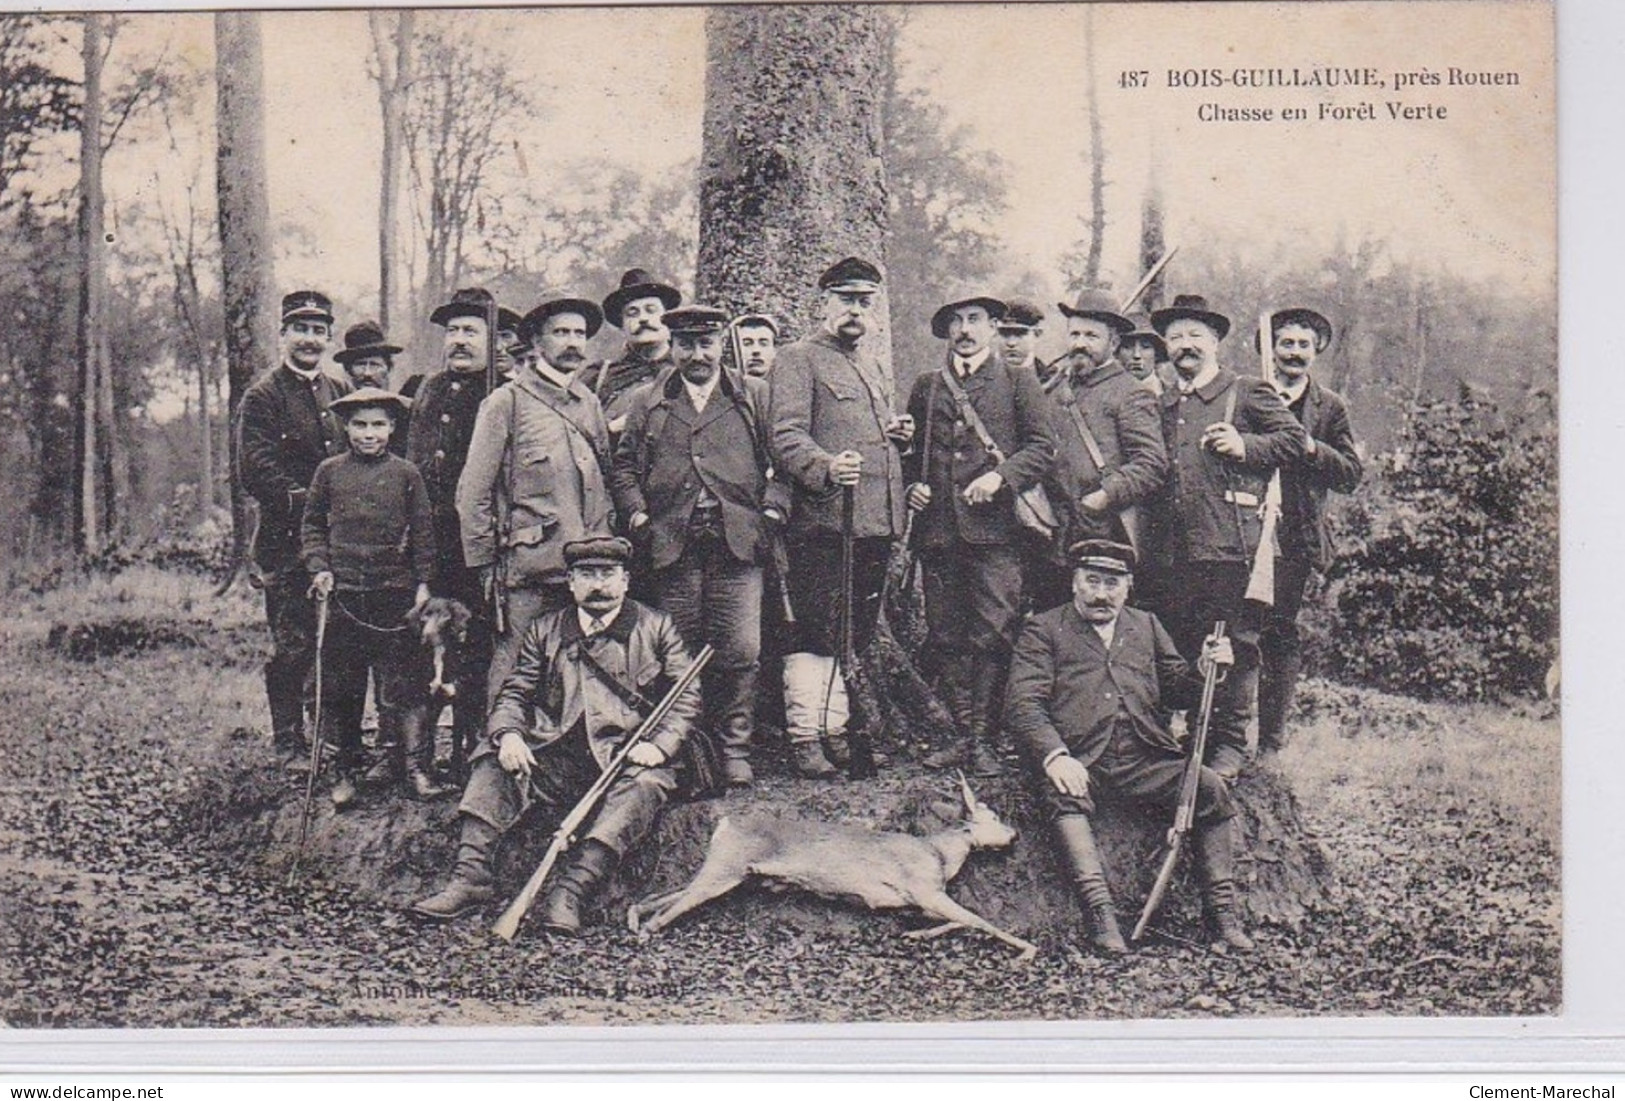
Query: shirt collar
x,y
552,374
1290,393
1205,376
306,376
700,395
967,367
586,621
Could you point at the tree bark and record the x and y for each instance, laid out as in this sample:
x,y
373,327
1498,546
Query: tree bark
x,y
90,527
394,84
1097,157
1152,244
245,245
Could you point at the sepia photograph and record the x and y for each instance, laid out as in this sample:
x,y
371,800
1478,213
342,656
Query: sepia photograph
x,y
779,514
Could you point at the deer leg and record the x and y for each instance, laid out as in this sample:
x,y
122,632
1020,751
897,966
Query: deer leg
x,y
946,908
706,885
635,912
934,931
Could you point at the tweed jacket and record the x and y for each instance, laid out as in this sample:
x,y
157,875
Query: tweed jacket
x,y
668,453
828,398
551,690
285,429
1334,467
442,425
949,455
1123,417
537,469
1208,511
1067,689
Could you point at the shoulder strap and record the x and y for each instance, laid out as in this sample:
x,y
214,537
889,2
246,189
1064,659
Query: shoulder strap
x,y
1090,444
968,411
622,691
1230,403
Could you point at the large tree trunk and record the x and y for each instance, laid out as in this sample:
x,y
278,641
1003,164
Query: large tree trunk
x,y
1097,157
245,242
393,47
91,516
791,178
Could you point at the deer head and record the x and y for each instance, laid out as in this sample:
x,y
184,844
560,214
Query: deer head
x,y
987,830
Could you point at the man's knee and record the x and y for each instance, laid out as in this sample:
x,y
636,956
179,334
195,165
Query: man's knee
x,y
1213,800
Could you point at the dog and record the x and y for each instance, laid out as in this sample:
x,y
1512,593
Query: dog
x,y
440,623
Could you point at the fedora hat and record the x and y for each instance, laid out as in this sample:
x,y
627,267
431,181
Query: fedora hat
x,y
532,322
465,302
1143,331
1098,306
636,284
1192,307
363,340
945,313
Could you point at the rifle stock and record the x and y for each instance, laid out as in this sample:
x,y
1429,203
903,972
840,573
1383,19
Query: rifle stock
x,y
507,926
499,523
1261,578
1185,814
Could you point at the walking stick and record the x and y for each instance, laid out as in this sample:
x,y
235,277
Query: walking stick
x,y
315,742
863,756
1185,815
507,926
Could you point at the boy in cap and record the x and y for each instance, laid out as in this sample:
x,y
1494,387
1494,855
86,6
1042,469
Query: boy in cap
x,y
369,548
1091,684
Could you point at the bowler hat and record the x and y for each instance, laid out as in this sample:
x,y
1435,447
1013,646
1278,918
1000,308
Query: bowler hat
x,y
696,320
1020,313
1301,315
363,340
1098,306
465,302
1103,554
307,304
1194,308
851,274
532,322
602,550
370,397
636,284
939,320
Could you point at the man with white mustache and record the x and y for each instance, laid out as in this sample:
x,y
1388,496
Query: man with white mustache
x,y
1226,435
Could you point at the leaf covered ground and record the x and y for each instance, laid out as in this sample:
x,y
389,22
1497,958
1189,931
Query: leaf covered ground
x,y
1441,823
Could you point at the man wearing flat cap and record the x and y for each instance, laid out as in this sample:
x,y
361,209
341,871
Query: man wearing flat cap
x,y
986,437
537,474
586,675
1091,684
1329,464
756,343
438,438
1226,435
1019,330
368,359
1110,458
285,429
692,477
636,308
835,429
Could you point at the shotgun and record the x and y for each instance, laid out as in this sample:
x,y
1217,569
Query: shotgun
x,y
1261,578
507,926
1185,814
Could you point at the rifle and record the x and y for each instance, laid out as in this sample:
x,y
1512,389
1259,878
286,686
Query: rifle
x,y
1144,284
1261,578
777,567
863,754
507,926
499,517
315,742
1185,814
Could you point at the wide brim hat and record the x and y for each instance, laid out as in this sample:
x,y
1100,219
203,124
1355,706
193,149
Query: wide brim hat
x,y
1191,307
466,302
364,340
1097,306
945,313
601,550
369,397
1102,554
551,307
637,284
1301,315
1142,330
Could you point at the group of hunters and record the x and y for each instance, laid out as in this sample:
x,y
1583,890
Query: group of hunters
x,y
1080,528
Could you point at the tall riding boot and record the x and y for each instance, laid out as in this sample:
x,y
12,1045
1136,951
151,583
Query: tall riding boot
x,y
390,767
1215,861
808,685
591,865
287,701
418,737
471,878
341,737
735,711
1279,666
1088,877
954,686
987,692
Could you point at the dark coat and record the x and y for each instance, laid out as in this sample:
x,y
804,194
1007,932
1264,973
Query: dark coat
x,y
667,452
828,399
1122,415
1208,511
442,427
284,432
618,381
1066,689
368,521
949,456
1334,467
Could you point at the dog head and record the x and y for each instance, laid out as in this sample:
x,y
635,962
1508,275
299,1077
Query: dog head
x,y
440,619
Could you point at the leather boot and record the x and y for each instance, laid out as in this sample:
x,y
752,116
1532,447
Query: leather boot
x,y
1083,867
1277,687
736,695
987,690
471,879
561,912
287,722
954,686
390,767
1216,865
807,684
418,737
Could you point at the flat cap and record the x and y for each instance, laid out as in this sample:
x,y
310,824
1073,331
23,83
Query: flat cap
x,y
850,274
1021,313
762,320
601,550
1103,554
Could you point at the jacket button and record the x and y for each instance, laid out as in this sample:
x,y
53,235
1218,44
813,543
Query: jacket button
x,y
445,418
440,454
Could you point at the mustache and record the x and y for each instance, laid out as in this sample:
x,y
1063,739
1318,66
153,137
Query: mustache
x,y
1295,361
461,350
645,327
570,354
1187,353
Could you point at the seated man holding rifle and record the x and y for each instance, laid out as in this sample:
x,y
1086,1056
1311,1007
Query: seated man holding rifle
x,y
1091,684
586,680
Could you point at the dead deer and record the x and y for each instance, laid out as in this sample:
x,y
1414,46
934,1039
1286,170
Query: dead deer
x,y
882,870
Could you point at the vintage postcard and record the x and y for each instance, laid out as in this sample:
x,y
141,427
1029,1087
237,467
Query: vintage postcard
x,y
779,514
